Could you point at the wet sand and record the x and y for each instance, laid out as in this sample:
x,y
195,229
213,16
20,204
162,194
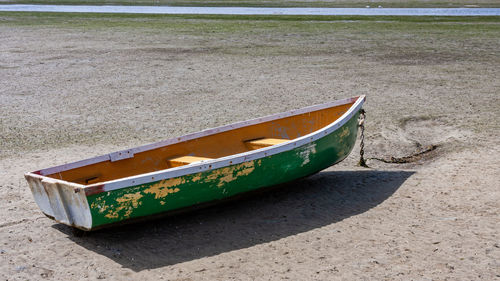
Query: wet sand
x,y
73,88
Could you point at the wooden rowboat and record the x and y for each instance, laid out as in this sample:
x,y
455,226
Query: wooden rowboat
x,y
198,168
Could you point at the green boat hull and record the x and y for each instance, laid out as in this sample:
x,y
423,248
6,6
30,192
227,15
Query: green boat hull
x,y
160,197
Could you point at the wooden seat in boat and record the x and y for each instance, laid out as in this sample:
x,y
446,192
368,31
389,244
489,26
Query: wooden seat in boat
x,y
185,160
264,142
89,179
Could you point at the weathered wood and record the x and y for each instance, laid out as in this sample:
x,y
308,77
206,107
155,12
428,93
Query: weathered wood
x,y
264,142
185,160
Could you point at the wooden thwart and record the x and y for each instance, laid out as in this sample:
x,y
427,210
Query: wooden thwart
x,y
251,144
265,142
89,179
185,160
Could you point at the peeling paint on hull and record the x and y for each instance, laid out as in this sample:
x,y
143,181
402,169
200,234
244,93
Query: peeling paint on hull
x,y
189,190
126,193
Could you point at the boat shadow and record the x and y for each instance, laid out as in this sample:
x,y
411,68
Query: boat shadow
x,y
297,207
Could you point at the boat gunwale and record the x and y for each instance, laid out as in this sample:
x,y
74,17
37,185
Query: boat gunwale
x,y
213,164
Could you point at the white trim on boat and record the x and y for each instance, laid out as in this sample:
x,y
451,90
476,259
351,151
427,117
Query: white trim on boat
x,y
215,163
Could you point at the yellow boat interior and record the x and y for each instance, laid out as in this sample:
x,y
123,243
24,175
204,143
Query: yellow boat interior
x,y
207,147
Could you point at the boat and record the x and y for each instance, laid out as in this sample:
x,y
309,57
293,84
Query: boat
x,y
197,169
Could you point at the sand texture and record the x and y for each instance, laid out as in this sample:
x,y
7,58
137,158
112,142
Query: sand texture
x,y
76,88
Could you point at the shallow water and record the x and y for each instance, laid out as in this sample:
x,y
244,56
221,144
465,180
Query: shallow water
x,y
255,11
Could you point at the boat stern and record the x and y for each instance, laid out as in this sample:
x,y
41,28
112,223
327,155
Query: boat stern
x,y
65,202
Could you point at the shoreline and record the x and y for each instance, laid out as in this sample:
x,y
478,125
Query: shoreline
x,y
176,10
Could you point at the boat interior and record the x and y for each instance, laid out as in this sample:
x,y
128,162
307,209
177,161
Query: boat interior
x,y
206,147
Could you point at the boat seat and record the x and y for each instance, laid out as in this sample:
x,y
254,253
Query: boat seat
x,y
185,160
264,142
89,179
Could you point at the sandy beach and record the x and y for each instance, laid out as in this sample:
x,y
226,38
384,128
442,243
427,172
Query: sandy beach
x,y
74,87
